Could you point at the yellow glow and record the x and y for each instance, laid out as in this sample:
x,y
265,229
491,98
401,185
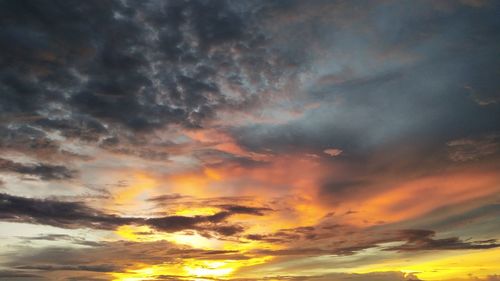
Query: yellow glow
x,y
219,268
194,240
451,267
209,268
139,186
130,233
187,268
145,272
203,211
213,174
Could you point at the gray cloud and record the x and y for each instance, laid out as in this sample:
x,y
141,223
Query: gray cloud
x,y
18,275
385,81
110,256
141,65
349,240
43,171
97,71
79,215
467,149
419,240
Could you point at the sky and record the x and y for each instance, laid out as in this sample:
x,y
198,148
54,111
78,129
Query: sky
x,y
253,140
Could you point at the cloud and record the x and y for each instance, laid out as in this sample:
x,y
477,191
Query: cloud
x,y
467,149
270,114
421,240
56,213
339,190
78,215
93,268
372,276
333,151
61,237
176,223
43,171
149,65
9,274
111,256
166,198
238,209
343,240
132,69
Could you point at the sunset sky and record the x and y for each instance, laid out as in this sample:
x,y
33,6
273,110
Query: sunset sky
x,y
250,140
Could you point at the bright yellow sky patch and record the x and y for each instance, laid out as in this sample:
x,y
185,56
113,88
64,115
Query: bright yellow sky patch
x,y
444,266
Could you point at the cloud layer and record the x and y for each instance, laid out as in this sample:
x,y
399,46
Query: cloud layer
x,y
249,140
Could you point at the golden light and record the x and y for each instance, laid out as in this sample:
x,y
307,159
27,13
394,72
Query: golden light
x,y
209,268
453,266
200,211
187,268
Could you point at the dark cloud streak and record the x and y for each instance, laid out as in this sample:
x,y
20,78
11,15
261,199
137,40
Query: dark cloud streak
x,y
44,171
78,215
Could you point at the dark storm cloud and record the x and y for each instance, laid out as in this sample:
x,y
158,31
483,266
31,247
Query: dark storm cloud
x,y
79,66
93,71
43,171
79,215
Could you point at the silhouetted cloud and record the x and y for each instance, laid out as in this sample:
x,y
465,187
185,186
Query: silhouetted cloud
x,y
419,240
10,274
111,256
79,215
43,171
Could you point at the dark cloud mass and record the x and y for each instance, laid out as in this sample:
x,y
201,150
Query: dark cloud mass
x,y
423,240
56,213
44,171
78,215
86,68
